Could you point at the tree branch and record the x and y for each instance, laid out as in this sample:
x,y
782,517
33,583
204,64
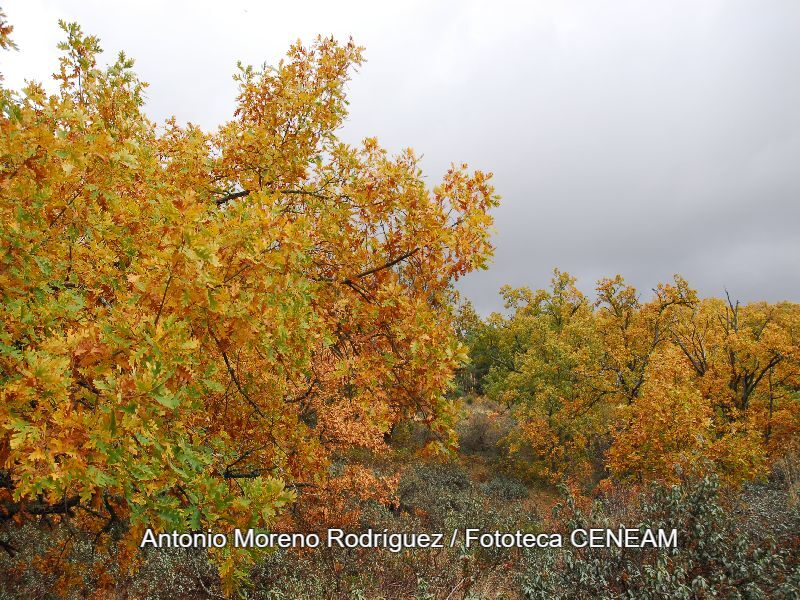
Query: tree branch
x,y
235,195
38,508
228,197
387,265
234,377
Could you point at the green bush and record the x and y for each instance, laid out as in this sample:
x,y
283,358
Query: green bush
x,y
715,557
503,489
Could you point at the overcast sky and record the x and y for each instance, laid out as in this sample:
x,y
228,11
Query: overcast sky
x,y
644,138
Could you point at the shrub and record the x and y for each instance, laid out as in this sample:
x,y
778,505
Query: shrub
x,y
715,555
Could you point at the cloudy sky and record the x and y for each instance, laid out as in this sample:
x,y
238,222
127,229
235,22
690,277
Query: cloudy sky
x,y
641,138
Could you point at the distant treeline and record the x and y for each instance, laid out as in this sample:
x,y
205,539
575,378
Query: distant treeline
x,y
638,390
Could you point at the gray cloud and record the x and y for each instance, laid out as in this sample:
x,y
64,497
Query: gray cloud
x,y
641,138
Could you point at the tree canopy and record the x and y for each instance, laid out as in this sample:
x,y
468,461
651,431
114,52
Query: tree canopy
x,y
650,390
192,323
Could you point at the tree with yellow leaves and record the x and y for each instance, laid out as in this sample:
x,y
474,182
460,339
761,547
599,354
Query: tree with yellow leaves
x,y
548,377
193,323
648,389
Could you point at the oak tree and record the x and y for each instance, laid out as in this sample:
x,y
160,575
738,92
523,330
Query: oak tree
x,y
192,323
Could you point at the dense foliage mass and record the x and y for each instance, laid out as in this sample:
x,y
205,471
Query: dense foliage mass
x,y
640,390
193,323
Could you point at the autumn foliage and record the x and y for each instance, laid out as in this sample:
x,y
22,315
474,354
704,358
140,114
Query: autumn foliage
x,y
256,327
193,323
641,390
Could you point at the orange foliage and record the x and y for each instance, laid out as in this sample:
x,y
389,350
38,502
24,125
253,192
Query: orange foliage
x,y
194,323
673,386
